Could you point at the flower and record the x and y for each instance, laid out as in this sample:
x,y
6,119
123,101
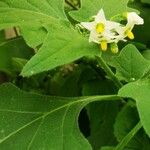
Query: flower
x,y
104,32
132,20
101,30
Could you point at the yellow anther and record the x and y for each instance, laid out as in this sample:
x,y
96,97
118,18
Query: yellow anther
x,y
114,48
104,45
100,27
130,34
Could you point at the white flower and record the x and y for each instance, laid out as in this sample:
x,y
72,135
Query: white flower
x,y
132,20
101,30
104,32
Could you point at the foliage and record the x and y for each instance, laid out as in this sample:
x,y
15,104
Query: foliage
x,y
59,91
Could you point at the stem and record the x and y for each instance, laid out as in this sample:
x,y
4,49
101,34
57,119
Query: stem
x,y
70,4
16,32
128,137
109,72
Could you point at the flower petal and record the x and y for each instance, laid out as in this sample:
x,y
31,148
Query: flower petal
x,y
94,37
120,30
88,25
134,19
100,17
112,25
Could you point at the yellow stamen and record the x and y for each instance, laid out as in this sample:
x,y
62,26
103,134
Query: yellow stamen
x,y
104,45
114,48
130,34
100,27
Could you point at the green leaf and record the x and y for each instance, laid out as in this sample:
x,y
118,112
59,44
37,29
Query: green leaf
x,y
41,122
34,35
139,91
18,16
101,115
145,1
146,54
18,63
62,45
30,16
90,8
127,118
130,64
13,48
128,137
30,9
102,118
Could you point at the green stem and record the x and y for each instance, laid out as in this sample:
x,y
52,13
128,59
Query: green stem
x,y
109,72
128,137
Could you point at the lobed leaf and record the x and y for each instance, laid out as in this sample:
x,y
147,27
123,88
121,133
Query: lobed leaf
x,y
30,17
62,45
139,91
31,121
130,64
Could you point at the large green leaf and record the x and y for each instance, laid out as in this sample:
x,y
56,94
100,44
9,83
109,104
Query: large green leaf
x,y
30,121
140,91
90,8
130,64
47,7
62,45
37,12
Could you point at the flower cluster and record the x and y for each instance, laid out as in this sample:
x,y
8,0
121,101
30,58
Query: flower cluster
x,y
104,32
